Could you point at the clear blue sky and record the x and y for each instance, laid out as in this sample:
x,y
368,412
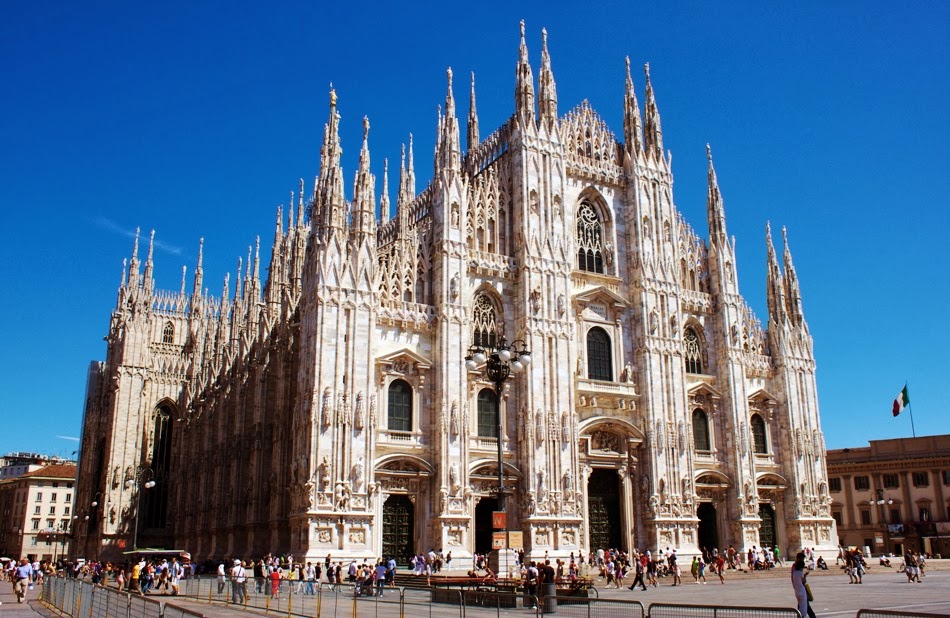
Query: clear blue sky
x,y
196,119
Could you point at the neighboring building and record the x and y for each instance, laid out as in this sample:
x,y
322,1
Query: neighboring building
x,y
15,464
37,513
893,494
327,409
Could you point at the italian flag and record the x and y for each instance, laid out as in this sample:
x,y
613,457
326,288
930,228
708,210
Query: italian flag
x,y
901,401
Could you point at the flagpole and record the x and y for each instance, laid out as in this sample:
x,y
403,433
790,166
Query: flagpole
x,y
910,410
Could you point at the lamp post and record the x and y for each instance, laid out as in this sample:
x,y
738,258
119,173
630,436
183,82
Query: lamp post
x,y
881,501
501,360
133,483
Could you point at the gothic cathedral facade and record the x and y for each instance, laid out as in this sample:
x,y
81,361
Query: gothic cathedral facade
x,y
328,410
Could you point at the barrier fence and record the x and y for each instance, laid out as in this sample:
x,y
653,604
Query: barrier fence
x,y
81,599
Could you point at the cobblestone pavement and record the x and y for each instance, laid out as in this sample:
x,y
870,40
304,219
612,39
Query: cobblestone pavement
x,y
834,596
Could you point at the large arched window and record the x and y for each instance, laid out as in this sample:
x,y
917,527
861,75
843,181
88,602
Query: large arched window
x,y
483,317
400,406
599,357
693,351
487,414
154,500
168,335
590,240
760,443
701,430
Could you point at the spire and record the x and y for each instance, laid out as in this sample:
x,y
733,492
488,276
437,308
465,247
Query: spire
x,y
364,200
547,91
384,198
184,272
257,259
472,141
199,270
653,134
793,293
331,203
410,174
524,83
125,263
775,295
300,205
715,212
149,280
451,148
134,262
632,127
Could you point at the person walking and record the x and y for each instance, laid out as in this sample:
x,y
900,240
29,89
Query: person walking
x,y
639,576
238,579
21,579
799,586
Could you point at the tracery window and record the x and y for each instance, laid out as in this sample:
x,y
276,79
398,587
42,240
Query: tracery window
x,y
485,329
168,335
760,443
487,413
701,430
400,406
599,357
590,240
693,351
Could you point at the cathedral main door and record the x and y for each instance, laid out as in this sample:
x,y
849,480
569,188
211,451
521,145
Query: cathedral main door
x,y
767,529
483,524
708,526
398,528
603,510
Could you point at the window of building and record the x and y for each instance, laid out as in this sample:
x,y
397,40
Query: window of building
x,y
895,516
65,510
69,497
834,483
485,333
39,496
50,524
921,479
946,477
590,239
52,497
862,482
924,512
36,510
701,430
760,443
836,515
891,481
168,335
400,406
693,351
36,524
52,510
865,517
599,357
55,484
34,540
487,414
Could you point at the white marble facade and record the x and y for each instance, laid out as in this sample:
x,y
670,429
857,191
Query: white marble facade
x,y
286,414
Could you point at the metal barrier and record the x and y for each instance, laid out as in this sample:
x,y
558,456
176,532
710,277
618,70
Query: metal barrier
x,y
81,599
594,607
670,610
886,613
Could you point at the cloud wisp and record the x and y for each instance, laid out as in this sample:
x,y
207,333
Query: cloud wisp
x,y
111,226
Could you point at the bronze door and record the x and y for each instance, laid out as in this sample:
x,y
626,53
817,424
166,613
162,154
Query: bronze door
x,y
603,510
767,529
398,526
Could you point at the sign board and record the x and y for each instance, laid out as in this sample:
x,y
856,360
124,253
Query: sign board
x,y
878,538
121,543
516,539
498,540
499,520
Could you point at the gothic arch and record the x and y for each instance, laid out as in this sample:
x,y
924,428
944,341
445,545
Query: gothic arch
x,y
489,468
695,356
479,321
422,467
594,233
712,478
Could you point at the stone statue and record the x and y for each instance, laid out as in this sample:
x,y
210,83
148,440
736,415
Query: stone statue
x,y
454,478
356,475
325,473
568,483
454,287
654,321
325,411
561,305
358,420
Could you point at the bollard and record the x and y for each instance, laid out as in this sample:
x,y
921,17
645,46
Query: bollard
x,y
549,598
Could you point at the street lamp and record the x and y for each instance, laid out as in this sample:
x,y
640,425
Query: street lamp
x,y
881,501
501,360
133,483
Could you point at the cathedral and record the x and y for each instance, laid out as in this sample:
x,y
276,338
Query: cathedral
x,y
328,408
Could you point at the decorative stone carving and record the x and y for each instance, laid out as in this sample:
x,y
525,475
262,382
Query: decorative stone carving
x,y
358,420
325,410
